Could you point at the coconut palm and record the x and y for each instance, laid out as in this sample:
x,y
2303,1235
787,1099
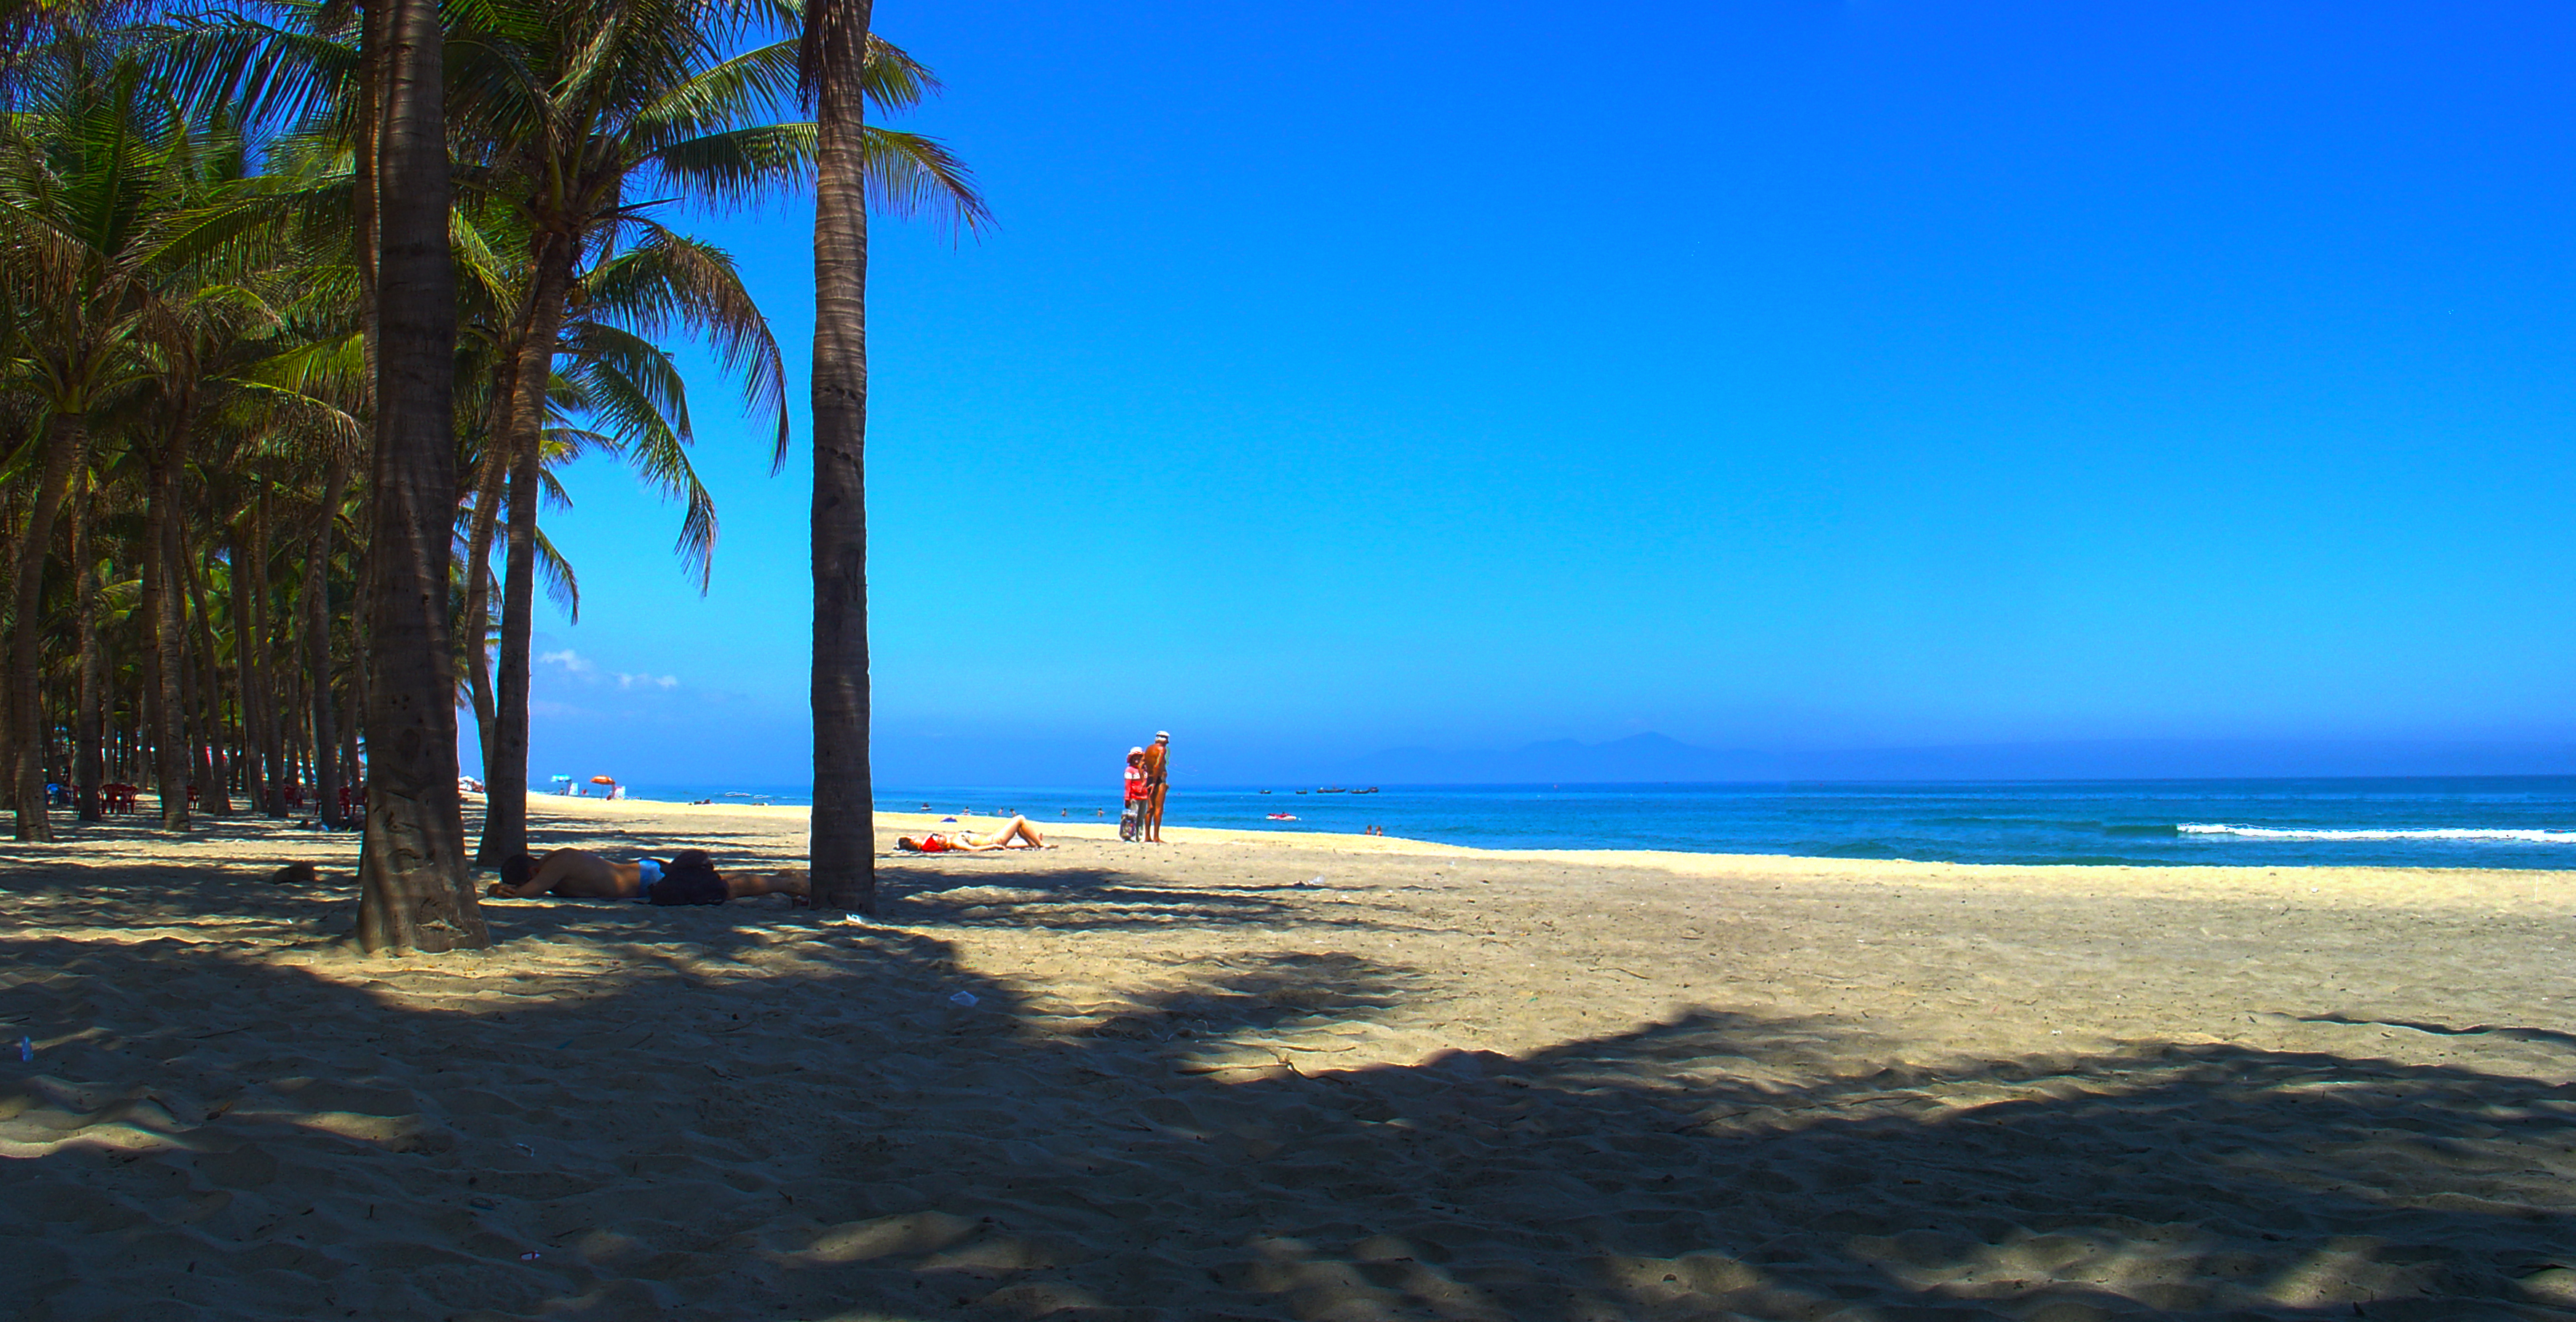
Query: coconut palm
x,y
841,68
235,386
842,844
599,102
230,370
103,202
613,375
413,890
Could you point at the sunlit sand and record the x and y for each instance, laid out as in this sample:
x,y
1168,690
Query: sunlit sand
x,y
1248,1075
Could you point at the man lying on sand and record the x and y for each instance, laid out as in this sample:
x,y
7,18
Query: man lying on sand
x,y
1015,834
578,874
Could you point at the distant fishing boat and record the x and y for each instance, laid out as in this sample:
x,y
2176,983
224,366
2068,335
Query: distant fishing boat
x,y
1282,817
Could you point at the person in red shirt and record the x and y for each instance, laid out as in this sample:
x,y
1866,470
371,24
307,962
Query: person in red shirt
x,y
1131,813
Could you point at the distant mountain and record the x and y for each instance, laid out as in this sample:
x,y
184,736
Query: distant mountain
x,y
1654,757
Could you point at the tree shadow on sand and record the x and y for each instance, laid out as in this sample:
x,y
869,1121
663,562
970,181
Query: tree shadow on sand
x,y
623,1112
1079,899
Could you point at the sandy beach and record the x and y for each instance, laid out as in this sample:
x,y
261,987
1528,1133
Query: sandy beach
x,y
1246,1075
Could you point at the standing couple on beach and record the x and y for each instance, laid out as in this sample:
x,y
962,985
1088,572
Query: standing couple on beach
x,y
1149,773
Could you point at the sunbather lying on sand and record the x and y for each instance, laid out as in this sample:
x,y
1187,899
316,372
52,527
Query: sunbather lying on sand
x,y
578,874
1015,834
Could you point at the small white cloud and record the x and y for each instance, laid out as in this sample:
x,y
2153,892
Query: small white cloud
x,y
626,681
574,663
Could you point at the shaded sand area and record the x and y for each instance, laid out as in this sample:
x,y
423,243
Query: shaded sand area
x,y
1299,1077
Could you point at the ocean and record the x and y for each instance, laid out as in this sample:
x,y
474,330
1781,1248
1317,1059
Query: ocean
x,y
2482,822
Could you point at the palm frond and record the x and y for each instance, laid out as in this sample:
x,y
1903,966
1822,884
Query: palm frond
x,y
911,175
736,167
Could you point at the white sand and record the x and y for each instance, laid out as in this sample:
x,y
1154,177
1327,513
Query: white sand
x,y
1248,1075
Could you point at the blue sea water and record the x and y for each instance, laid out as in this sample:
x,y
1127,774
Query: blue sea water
x,y
2484,822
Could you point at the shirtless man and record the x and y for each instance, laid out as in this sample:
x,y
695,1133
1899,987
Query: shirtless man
x,y
1015,834
1158,777
578,874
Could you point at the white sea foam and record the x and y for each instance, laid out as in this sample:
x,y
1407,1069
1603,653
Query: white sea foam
x,y
2434,833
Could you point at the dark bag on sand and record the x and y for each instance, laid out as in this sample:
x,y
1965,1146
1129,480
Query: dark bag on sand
x,y
689,878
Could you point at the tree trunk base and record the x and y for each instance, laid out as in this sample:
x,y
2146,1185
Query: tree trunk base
x,y
415,892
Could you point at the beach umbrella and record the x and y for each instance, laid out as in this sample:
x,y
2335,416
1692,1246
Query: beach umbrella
x,y
603,780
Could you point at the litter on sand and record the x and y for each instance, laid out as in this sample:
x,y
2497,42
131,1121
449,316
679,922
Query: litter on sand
x,y
962,998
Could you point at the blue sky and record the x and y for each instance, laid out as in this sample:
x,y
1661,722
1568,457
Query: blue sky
x,y
1770,375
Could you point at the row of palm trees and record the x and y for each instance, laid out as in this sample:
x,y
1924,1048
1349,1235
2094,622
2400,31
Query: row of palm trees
x,y
307,305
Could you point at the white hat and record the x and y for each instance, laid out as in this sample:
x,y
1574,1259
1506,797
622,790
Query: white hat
x,y
1162,734
1135,752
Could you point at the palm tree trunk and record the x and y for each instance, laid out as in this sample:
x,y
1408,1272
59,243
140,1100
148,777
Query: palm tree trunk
x,y
252,685
217,791
317,647
156,586
367,239
9,544
192,726
165,628
505,746
273,700
414,893
65,437
843,846
88,768
364,237
354,711
361,687
478,632
58,763
490,482
299,727
505,765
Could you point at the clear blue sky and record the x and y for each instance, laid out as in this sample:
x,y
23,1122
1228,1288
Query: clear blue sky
x,y
1773,375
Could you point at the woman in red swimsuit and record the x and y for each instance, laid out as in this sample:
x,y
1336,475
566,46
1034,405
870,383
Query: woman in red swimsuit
x,y
1015,834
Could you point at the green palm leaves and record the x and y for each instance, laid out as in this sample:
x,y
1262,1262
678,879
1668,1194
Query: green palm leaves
x,y
222,309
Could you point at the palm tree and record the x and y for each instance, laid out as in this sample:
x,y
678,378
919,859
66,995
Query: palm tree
x,y
189,405
413,889
581,103
99,199
213,367
842,67
595,101
842,847
613,375
88,769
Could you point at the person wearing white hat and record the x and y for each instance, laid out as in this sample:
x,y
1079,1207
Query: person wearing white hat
x,y
1158,778
1131,810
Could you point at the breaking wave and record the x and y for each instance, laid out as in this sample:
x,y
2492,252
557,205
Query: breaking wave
x,y
2433,833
